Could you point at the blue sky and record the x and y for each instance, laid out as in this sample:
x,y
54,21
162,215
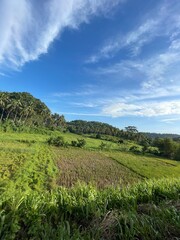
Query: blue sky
x,y
116,61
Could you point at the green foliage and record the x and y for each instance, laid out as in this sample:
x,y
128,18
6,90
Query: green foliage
x,y
167,147
177,153
85,127
57,141
105,146
18,109
153,150
136,149
79,143
147,211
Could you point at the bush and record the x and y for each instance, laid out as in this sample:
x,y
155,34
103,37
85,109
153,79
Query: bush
x,y
98,136
121,141
79,143
57,141
135,149
153,150
105,146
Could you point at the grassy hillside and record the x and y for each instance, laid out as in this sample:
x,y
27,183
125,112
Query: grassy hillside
x,y
37,203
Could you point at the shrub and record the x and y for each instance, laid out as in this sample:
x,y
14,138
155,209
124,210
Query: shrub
x,y
57,141
153,150
135,149
98,136
79,143
105,146
121,141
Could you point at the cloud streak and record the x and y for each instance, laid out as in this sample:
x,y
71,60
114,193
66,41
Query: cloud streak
x,y
163,21
27,28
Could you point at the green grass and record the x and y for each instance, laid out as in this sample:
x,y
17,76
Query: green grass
x,y
149,167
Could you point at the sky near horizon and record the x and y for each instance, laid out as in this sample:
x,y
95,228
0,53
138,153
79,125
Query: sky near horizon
x,y
116,61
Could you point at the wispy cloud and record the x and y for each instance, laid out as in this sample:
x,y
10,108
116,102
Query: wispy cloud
x,y
27,28
88,91
158,72
171,120
162,21
84,104
3,74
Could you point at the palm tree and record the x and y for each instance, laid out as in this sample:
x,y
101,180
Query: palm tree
x,y
17,107
28,111
3,103
9,109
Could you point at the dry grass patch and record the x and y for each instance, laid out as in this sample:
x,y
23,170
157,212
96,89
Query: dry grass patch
x,y
87,166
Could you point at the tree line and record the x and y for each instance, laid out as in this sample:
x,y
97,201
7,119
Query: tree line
x,y
21,108
99,128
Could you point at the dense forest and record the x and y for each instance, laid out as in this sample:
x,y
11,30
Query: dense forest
x,y
88,127
21,108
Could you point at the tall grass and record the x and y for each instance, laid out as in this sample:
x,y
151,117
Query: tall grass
x,y
142,211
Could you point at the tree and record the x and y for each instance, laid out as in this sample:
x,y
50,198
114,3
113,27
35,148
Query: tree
x,y
17,105
3,102
177,153
169,148
131,129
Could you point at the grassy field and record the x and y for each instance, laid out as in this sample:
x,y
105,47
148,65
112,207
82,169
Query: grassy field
x,y
43,195
103,168
148,167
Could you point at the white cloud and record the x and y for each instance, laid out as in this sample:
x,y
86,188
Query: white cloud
x,y
86,91
27,28
163,21
146,109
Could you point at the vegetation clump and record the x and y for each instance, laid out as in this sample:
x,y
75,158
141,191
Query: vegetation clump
x,y
79,143
57,141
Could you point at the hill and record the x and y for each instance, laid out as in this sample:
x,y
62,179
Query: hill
x,y
162,135
88,127
21,108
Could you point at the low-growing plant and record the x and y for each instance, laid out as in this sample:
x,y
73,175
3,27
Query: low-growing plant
x,y
79,143
105,146
153,150
135,149
57,141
